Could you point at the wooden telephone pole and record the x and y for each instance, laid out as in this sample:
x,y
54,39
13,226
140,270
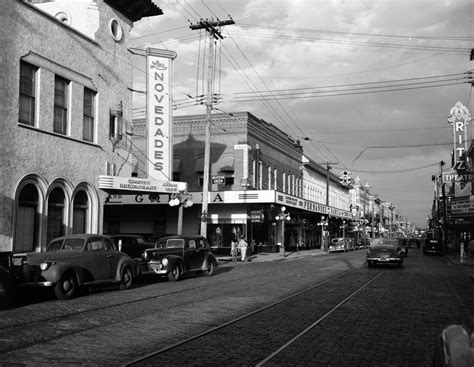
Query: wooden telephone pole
x,y
213,29
328,167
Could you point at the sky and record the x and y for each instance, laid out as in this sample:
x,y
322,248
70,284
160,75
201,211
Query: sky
x,y
367,85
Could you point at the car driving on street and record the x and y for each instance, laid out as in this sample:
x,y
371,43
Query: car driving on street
x,y
385,251
176,256
71,262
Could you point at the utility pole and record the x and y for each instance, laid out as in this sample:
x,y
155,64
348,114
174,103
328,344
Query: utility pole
x,y
328,167
212,28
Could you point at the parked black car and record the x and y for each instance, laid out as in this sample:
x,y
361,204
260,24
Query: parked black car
x,y
178,255
134,246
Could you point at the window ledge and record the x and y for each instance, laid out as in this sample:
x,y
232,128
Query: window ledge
x,y
25,126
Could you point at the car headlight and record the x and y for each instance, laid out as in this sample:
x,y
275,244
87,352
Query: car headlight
x,y
164,261
45,265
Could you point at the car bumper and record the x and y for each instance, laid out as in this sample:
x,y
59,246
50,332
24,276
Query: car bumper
x,y
384,260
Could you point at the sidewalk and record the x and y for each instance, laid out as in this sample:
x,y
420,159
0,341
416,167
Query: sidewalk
x,y
467,264
274,256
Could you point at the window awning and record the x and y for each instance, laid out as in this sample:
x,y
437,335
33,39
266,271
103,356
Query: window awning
x,y
199,165
176,165
227,164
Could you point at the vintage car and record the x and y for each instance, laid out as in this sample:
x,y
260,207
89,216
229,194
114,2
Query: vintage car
x,y
432,246
176,256
341,244
385,251
71,262
134,246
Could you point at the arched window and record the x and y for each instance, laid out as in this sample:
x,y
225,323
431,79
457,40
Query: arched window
x,y
80,213
56,205
27,219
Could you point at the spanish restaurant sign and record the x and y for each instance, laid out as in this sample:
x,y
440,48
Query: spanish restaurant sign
x,y
116,183
159,119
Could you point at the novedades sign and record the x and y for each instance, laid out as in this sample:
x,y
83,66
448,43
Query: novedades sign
x,y
159,119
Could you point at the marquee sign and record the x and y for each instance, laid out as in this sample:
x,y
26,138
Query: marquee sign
x,y
158,88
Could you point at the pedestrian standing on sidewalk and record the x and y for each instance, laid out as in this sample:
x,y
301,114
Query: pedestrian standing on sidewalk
x,y
243,248
233,249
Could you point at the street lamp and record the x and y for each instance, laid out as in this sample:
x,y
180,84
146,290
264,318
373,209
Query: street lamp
x,y
355,213
323,223
282,216
180,199
391,207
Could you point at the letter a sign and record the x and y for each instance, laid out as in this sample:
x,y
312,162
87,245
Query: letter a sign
x,y
159,119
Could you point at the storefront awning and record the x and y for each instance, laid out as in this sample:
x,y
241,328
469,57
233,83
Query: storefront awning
x,y
227,164
199,165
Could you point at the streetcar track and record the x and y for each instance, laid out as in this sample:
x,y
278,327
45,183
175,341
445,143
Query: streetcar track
x,y
147,298
142,299
317,322
84,327
252,313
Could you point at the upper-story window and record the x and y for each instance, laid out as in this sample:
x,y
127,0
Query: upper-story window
x,y
88,115
60,105
27,101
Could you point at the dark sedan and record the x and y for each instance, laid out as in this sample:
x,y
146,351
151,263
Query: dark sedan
x,y
385,251
178,255
71,262
134,246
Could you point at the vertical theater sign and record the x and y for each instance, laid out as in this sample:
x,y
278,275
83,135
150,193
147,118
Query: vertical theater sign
x,y
461,175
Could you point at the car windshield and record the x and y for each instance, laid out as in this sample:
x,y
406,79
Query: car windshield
x,y
173,243
387,243
76,244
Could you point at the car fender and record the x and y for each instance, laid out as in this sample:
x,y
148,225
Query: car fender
x,y
124,262
209,258
174,259
55,272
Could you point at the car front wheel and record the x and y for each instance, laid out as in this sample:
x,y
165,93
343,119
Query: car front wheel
x,y
66,288
210,269
126,278
175,273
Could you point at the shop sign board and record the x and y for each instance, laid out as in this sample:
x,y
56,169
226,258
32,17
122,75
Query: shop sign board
x,y
462,207
218,179
117,183
303,204
458,177
215,197
256,216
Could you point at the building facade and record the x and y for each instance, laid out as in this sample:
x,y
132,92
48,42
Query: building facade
x,y
66,103
256,169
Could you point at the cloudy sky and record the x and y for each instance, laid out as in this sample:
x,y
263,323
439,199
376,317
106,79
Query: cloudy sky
x,y
369,84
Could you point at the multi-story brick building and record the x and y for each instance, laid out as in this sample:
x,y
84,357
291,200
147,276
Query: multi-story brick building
x,y
255,170
65,86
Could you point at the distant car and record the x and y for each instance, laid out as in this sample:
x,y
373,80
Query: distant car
x,y
432,246
339,244
413,241
134,246
71,262
178,255
385,251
